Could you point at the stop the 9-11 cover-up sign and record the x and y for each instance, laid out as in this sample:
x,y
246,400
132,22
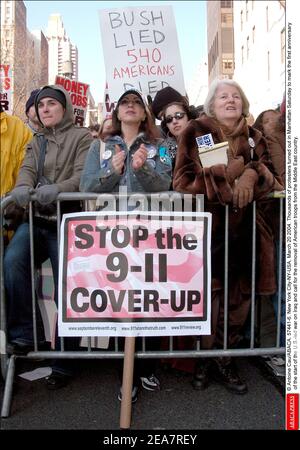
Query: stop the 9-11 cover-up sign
x,y
134,275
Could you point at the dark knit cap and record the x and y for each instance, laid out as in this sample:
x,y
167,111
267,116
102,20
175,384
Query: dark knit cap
x,y
164,97
52,93
132,91
31,99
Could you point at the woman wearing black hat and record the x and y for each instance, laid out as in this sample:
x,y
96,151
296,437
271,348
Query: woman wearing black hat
x,y
65,147
134,158
133,154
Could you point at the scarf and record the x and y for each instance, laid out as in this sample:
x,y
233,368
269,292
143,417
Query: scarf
x,y
235,136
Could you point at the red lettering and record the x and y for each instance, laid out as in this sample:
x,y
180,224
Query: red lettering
x,y
6,84
67,84
141,70
60,81
116,73
158,57
5,68
145,55
74,86
85,88
73,99
130,53
78,100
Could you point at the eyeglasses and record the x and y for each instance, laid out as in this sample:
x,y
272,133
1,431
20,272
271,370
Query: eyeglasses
x,y
126,101
177,116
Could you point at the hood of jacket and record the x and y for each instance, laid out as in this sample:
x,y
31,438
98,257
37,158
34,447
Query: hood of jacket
x,y
68,118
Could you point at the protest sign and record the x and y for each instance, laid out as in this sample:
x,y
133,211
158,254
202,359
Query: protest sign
x,y
129,275
141,50
108,105
6,87
79,96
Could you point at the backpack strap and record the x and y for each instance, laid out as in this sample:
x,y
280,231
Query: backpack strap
x,y
43,144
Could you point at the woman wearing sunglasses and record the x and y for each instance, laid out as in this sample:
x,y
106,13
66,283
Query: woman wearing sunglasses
x,y
175,116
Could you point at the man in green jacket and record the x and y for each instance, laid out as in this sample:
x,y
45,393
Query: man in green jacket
x,y
65,147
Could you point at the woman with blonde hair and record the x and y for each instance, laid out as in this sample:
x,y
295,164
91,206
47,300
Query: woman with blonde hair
x,y
247,176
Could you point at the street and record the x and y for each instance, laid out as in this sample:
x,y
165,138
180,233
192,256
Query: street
x,y
90,402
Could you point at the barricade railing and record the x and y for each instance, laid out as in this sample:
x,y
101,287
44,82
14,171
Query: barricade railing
x,y
8,361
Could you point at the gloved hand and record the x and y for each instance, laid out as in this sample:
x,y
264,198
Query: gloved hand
x,y
235,168
244,188
47,194
21,195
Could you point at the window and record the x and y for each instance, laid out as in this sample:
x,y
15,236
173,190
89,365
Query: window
x,y
226,4
282,46
267,18
226,18
227,65
246,10
242,54
253,34
241,20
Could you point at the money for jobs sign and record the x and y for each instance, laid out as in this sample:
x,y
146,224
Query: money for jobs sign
x,y
134,275
79,97
141,50
6,87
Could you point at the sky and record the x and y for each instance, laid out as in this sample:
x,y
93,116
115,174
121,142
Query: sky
x,y
81,22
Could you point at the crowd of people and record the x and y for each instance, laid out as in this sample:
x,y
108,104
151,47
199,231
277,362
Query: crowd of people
x,y
49,155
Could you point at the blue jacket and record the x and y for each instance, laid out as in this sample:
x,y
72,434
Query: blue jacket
x,y
99,176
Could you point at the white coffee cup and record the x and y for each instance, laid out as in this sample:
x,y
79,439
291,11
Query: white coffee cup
x,y
217,154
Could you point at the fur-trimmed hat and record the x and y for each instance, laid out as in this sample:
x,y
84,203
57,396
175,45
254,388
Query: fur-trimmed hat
x,y
164,97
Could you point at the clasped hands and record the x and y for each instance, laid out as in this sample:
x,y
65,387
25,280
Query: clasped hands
x,y
44,194
138,159
242,181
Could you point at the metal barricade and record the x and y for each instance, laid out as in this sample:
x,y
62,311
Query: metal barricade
x,y
8,362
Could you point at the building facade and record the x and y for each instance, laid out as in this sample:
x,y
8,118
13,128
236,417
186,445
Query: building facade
x,y
13,49
26,53
37,60
220,39
62,53
259,39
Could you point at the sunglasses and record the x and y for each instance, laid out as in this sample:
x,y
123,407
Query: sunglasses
x,y
177,116
126,101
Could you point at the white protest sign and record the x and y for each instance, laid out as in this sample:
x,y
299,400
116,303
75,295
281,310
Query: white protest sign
x,y
129,275
141,50
6,87
79,96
